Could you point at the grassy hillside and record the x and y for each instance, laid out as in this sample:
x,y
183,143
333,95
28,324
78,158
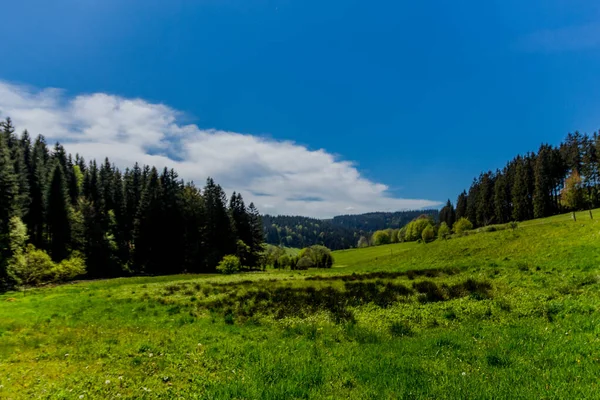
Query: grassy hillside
x,y
505,314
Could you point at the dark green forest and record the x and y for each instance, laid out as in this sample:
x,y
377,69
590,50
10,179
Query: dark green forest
x,y
553,180
119,223
337,233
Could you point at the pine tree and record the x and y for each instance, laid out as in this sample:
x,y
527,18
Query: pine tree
x,y
485,199
148,231
461,205
502,199
8,195
258,234
542,197
219,239
59,228
473,202
519,192
447,214
193,227
589,169
38,184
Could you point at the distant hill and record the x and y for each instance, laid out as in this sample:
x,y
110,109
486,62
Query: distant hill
x,y
341,232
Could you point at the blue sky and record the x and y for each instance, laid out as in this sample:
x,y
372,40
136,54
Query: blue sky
x,y
402,102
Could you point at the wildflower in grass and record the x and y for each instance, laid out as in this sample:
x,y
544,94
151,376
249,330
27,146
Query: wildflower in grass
x,y
464,374
107,382
121,378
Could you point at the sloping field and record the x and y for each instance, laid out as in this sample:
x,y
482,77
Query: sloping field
x,y
499,314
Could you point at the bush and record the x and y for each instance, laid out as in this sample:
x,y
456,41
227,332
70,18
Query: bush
x,y
402,235
69,269
444,231
428,234
415,228
381,237
320,257
31,268
462,225
230,264
284,261
35,267
305,263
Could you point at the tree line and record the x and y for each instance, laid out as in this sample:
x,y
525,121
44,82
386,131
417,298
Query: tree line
x,y
137,221
553,180
338,233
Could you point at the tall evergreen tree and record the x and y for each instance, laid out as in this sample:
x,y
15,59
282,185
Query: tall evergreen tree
x,y
448,214
502,199
219,239
193,229
519,191
59,223
485,212
542,197
461,205
148,230
38,184
473,202
9,189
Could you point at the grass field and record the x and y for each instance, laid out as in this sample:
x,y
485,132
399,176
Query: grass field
x,y
506,314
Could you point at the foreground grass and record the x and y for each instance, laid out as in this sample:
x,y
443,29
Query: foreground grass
x,y
508,314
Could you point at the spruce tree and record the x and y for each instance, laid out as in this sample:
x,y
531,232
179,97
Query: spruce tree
x,y
447,214
519,192
258,233
485,212
38,187
148,230
219,239
59,224
461,205
193,228
502,199
542,196
9,189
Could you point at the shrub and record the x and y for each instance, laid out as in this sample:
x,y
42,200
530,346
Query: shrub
x,y
32,268
414,230
428,234
305,263
69,269
320,257
363,242
444,231
284,261
230,264
402,235
35,267
462,225
381,237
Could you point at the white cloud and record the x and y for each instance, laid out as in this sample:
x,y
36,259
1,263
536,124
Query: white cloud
x,y
281,177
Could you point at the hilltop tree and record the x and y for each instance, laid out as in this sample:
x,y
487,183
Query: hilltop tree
x,y
461,205
448,214
502,199
542,196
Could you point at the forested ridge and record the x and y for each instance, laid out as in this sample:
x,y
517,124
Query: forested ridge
x,y
553,180
340,232
131,222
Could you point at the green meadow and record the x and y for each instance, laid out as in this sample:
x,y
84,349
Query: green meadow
x,y
499,313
